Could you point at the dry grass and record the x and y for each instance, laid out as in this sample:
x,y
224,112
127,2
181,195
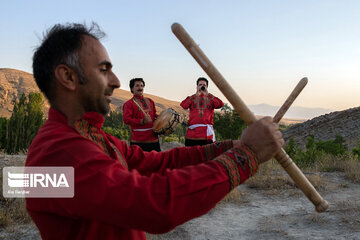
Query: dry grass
x,y
270,176
348,164
351,170
12,210
329,163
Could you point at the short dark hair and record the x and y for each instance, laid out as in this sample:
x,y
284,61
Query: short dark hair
x,y
202,79
61,45
132,82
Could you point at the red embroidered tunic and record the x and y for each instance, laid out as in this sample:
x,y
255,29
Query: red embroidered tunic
x,y
201,112
132,116
120,190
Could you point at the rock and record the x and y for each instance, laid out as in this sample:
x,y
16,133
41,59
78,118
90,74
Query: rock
x,y
344,123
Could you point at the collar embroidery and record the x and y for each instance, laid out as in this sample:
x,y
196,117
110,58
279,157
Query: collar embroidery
x,y
94,134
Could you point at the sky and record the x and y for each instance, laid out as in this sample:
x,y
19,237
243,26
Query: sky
x,y
262,48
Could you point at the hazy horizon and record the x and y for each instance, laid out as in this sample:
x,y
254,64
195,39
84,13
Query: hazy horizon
x,y
263,48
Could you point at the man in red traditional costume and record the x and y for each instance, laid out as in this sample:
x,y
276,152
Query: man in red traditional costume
x,y
201,105
120,190
140,113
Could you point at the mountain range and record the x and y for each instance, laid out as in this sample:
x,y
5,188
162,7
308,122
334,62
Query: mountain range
x,y
295,112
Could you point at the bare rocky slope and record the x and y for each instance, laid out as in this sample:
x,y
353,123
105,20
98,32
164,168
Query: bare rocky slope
x,y
345,123
13,83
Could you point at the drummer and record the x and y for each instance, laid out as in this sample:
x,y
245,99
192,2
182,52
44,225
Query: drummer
x,y
201,105
140,113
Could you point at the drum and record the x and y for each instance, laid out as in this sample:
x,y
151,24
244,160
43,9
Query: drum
x,y
166,122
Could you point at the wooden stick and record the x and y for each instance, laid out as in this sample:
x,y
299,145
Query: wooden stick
x,y
299,87
294,172
137,104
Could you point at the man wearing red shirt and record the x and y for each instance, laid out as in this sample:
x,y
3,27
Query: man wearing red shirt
x,y
120,190
201,105
140,113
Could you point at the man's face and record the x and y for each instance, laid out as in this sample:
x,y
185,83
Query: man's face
x,y
95,94
138,88
201,84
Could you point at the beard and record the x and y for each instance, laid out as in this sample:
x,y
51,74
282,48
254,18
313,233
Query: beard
x,y
104,107
98,104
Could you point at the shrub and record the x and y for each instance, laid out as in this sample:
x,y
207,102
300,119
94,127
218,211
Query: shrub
x,y
18,131
228,124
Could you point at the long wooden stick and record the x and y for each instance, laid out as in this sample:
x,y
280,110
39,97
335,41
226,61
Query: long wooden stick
x,y
294,172
137,104
299,87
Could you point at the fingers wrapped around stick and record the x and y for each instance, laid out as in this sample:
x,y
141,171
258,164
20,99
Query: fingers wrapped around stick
x,y
264,138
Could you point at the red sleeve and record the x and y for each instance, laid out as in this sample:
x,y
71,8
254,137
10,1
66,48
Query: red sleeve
x,y
128,116
216,102
106,192
150,162
185,104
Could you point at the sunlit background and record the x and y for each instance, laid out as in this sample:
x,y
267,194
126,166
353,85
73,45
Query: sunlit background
x,y
263,48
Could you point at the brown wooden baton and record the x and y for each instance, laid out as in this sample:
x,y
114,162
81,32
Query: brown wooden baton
x,y
293,95
290,167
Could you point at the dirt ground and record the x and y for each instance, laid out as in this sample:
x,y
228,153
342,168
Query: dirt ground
x,y
263,214
279,215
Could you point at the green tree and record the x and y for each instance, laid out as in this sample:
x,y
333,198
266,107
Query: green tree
x,y
115,120
291,148
315,150
356,150
16,126
25,121
4,124
335,147
34,118
228,124
308,157
115,126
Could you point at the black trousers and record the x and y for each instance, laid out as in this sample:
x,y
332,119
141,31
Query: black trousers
x,y
191,142
148,147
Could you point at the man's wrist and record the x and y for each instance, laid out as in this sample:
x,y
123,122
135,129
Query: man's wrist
x,y
240,164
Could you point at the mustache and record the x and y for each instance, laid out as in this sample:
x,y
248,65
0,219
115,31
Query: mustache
x,y
109,91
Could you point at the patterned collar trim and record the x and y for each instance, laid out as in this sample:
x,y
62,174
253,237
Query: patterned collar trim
x,y
92,118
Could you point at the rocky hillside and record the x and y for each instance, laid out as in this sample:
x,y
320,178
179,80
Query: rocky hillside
x,y
345,123
13,83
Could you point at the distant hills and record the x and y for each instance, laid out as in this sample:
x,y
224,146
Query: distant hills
x,y
294,111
